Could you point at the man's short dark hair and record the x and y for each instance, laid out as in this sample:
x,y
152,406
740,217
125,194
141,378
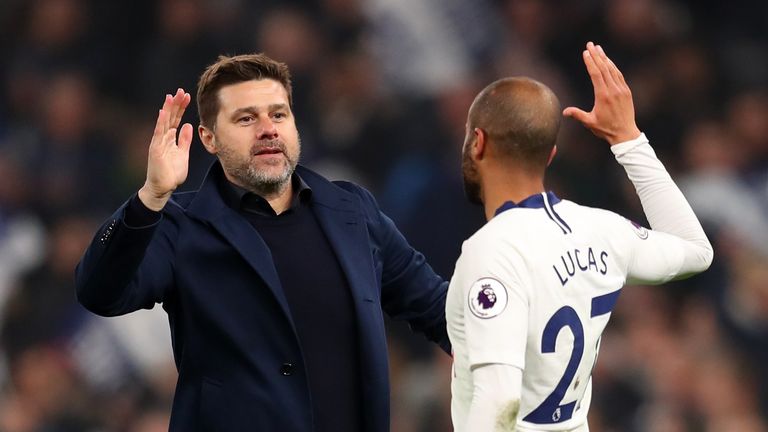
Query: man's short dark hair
x,y
521,117
232,70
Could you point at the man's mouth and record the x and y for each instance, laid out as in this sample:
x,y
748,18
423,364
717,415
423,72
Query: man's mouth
x,y
268,151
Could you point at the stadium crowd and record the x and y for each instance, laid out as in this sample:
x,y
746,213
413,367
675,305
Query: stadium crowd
x,y
381,91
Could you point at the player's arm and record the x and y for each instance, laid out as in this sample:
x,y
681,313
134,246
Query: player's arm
x,y
495,398
680,248
496,324
677,247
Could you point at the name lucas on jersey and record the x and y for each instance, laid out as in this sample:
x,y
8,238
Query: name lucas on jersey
x,y
578,260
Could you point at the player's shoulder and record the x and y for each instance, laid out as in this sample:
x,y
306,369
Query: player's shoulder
x,y
491,258
601,219
493,234
584,211
496,243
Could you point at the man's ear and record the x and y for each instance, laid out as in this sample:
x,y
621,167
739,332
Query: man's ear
x,y
207,137
552,154
480,145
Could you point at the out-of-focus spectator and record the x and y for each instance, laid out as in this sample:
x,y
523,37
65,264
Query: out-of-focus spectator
x,y
422,47
716,190
22,235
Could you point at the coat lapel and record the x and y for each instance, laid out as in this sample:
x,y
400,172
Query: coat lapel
x,y
338,213
209,207
349,240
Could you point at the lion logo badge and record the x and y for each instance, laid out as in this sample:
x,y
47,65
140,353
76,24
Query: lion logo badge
x,y
487,298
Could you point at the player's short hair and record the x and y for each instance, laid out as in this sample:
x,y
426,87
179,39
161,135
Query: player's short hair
x,y
521,116
232,70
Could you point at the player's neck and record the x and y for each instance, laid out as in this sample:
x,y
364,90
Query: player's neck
x,y
501,186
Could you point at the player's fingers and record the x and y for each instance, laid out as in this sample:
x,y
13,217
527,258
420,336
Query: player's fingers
x,y
598,56
185,137
598,83
617,73
577,114
611,67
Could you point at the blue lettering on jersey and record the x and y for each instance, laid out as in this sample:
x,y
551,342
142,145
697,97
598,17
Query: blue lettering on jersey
x,y
575,260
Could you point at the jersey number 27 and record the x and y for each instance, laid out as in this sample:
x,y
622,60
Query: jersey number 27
x,y
550,410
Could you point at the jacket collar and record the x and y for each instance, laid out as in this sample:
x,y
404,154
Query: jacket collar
x,y
533,201
208,203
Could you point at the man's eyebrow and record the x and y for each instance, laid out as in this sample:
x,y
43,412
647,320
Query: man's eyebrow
x,y
254,109
277,106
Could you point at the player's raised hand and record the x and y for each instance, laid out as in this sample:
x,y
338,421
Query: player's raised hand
x,y
613,115
168,162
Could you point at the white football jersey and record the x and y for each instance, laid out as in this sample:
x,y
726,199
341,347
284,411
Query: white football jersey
x,y
534,288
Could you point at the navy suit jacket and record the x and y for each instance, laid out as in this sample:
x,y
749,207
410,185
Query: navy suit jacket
x,y
234,342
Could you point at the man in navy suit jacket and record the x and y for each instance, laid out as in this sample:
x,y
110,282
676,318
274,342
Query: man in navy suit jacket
x,y
273,278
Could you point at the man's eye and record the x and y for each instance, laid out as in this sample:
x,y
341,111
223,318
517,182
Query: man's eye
x,y
279,115
245,119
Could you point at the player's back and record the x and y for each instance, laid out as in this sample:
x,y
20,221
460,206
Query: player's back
x,y
534,288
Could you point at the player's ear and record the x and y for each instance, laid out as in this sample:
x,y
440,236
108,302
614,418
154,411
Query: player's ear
x,y
206,136
480,144
552,154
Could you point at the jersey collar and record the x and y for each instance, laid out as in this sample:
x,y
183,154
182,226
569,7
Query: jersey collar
x,y
533,201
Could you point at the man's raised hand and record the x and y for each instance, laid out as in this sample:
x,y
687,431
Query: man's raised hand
x,y
613,115
168,161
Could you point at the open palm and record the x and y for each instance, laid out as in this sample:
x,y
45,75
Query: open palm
x,y
168,162
613,115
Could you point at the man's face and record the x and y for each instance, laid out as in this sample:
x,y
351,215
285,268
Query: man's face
x,y
255,135
469,171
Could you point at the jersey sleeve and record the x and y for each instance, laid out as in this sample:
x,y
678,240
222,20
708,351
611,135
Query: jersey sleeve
x,y
495,397
495,305
677,247
652,257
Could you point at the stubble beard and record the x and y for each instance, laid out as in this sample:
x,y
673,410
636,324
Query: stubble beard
x,y
255,178
471,184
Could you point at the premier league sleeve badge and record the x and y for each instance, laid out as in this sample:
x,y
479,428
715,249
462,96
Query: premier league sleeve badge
x,y
640,230
487,298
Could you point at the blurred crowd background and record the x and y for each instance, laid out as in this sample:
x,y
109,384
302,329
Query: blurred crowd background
x,y
381,93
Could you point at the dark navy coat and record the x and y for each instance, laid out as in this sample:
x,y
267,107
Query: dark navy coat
x,y
234,342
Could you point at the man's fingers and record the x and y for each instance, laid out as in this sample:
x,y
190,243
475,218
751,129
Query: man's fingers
x,y
617,73
598,83
181,106
169,138
157,135
609,69
598,56
612,69
185,99
167,107
185,137
577,114
174,107
177,107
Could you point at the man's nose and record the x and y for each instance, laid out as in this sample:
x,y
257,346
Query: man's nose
x,y
267,129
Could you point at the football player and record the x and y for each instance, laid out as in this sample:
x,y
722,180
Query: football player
x,y
535,287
